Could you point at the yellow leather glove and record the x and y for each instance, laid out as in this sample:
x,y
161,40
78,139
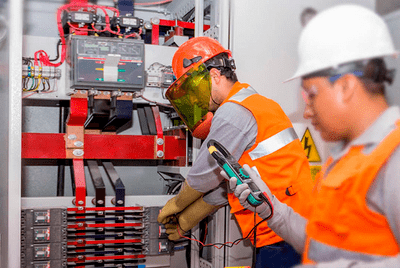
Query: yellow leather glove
x,y
191,216
184,198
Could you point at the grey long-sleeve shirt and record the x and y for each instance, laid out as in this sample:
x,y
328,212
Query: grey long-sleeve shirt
x,y
383,197
236,129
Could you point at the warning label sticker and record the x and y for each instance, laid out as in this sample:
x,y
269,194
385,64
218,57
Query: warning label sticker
x,y
314,171
309,147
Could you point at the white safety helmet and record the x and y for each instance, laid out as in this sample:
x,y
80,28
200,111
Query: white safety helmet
x,y
342,34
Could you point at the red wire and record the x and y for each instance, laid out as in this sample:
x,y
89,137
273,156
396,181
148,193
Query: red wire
x,y
44,59
42,55
205,233
201,243
80,29
134,34
153,3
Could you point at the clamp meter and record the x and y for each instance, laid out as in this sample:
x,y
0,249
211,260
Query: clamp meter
x,y
229,164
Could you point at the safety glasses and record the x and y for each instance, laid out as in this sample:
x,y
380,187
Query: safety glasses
x,y
309,94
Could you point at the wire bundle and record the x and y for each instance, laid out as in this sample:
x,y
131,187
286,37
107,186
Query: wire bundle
x,y
42,56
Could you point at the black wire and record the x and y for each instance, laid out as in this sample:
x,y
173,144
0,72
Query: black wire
x,y
157,103
237,241
254,243
58,52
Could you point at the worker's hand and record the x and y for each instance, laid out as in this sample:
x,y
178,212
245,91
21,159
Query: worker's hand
x,y
178,203
172,231
189,218
242,192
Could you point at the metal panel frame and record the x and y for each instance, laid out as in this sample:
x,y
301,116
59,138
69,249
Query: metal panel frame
x,y
14,138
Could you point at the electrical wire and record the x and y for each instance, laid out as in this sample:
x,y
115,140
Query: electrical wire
x,y
254,242
42,56
28,95
153,3
218,245
157,103
44,59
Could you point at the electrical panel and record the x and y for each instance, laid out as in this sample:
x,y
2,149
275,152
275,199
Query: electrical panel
x,y
92,237
106,63
90,102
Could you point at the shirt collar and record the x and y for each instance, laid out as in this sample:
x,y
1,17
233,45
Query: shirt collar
x,y
385,123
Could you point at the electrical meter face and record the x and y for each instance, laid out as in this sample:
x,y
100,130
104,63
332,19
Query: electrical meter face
x,y
115,64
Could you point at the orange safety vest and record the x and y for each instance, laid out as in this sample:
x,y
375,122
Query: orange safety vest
x,y
340,216
279,158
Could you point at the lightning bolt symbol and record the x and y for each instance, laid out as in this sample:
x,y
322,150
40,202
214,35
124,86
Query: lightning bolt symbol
x,y
307,147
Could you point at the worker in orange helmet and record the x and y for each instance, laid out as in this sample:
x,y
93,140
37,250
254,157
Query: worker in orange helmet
x,y
355,216
253,128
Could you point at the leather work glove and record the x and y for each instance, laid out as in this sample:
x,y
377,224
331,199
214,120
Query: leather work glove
x,y
184,198
189,217
242,192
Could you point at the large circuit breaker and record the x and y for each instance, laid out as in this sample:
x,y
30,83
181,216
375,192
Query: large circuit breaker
x,y
106,63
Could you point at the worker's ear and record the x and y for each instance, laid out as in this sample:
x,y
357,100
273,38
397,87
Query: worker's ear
x,y
348,86
215,75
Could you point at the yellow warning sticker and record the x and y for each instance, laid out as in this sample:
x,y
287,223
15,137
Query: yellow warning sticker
x,y
309,147
314,171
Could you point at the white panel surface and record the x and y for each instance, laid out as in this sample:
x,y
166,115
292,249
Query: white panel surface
x,y
264,37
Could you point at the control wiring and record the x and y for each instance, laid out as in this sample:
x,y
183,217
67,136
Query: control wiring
x,y
218,245
43,57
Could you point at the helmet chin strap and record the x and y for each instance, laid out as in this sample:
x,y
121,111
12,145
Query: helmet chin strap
x,y
214,100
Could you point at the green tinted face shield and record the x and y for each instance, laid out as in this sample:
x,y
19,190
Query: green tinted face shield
x,y
190,95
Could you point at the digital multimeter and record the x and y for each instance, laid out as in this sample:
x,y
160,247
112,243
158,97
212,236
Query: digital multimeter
x,y
229,164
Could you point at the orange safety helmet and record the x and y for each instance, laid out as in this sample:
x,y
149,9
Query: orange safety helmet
x,y
195,51
189,56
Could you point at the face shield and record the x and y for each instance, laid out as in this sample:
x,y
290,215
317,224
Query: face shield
x,y
190,96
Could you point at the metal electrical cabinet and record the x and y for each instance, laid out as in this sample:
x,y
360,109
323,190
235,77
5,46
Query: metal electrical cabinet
x,y
103,212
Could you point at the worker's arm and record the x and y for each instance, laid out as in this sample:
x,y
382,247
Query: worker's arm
x,y
235,127
286,223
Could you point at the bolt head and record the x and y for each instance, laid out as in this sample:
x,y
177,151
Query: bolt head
x,y
77,152
78,144
160,141
72,137
160,154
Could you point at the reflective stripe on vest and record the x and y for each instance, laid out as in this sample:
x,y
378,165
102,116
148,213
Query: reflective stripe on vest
x,y
243,94
273,143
